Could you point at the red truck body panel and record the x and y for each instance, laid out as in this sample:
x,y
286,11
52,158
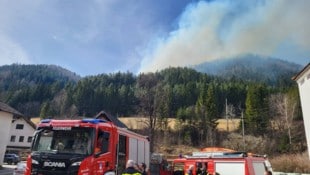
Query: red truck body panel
x,y
105,148
223,163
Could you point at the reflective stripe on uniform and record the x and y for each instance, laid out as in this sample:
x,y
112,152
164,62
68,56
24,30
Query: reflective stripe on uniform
x,y
131,174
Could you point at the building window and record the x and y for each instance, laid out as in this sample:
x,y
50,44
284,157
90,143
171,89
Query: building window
x,y
19,126
29,139
21,138
13,138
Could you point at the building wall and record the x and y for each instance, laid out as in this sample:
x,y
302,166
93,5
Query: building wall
x,y
21,134
304,92
5,126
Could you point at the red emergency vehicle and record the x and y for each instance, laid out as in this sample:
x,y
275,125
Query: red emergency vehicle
x,y
159,165
221,162
84,147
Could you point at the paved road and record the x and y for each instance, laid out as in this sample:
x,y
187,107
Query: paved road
x,y
7,169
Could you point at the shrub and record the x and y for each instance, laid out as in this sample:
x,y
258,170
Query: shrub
x,y
293,163
251,143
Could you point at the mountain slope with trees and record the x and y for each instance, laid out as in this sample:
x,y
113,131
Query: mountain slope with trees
x,y
249,67
26,87
194,98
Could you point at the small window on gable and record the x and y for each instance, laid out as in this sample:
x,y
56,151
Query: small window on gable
x,y
21,138
308,76
13,138
19,126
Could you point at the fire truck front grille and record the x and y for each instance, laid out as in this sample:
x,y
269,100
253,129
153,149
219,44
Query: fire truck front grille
x,y
53,165
71,171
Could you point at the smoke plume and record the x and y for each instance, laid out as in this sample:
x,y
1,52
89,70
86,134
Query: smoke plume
x,y
212,30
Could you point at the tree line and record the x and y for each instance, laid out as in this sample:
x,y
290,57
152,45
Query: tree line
x,y
270,115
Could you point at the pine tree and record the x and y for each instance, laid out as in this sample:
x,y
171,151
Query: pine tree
x,y
256,110
212,114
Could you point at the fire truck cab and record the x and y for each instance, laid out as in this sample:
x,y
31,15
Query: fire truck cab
x,y
221,163
85,146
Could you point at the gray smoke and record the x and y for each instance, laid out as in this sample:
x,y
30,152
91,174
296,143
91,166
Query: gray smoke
x,y
219,29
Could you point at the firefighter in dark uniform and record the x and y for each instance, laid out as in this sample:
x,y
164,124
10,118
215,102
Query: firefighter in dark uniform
x,y
130,168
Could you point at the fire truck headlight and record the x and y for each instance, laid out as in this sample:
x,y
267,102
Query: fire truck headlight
x,y
34,162
76,164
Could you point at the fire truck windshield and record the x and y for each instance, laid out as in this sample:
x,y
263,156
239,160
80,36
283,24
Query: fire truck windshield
x,y
64,140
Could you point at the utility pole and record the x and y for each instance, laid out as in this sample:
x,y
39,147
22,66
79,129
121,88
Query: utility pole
x,y
242,120
226,113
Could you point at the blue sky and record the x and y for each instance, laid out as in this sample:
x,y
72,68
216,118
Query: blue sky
x,y
105,36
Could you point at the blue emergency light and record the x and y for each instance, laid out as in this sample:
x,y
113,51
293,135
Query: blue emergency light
x,y
46,120
93,121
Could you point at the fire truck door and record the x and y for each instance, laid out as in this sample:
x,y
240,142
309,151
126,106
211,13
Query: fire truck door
x,y
103,153
121,154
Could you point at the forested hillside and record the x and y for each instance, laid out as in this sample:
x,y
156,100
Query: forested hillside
x,y
27,87
251,67
196,99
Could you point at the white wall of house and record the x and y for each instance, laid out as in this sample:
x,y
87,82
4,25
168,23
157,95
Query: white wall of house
x,y
21,133
304,92
5,127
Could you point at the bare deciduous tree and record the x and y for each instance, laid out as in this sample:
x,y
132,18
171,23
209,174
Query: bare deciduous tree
x,y
146,86
283,109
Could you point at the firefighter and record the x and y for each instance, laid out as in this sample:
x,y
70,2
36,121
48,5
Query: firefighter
x,y
190,170
130,168
142,168
60,145
99,144
202,170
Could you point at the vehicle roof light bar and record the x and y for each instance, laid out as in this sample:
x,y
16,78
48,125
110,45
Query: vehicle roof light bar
x,y
217,154
93,121
46,120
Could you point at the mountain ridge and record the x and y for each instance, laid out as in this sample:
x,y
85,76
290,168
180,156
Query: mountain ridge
x,y
32,72
250,67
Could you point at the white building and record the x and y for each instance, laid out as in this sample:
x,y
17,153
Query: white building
x,y
21,134
7,114
303,81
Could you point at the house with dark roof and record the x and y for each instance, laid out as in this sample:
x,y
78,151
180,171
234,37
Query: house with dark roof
x,y
105,116
16,131
303,81
7,114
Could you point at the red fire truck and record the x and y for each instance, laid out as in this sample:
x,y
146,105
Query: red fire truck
x,y
221,162
84,147
159,165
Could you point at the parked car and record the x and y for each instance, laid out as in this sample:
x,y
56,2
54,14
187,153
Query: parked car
x,y
20,168
11,158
